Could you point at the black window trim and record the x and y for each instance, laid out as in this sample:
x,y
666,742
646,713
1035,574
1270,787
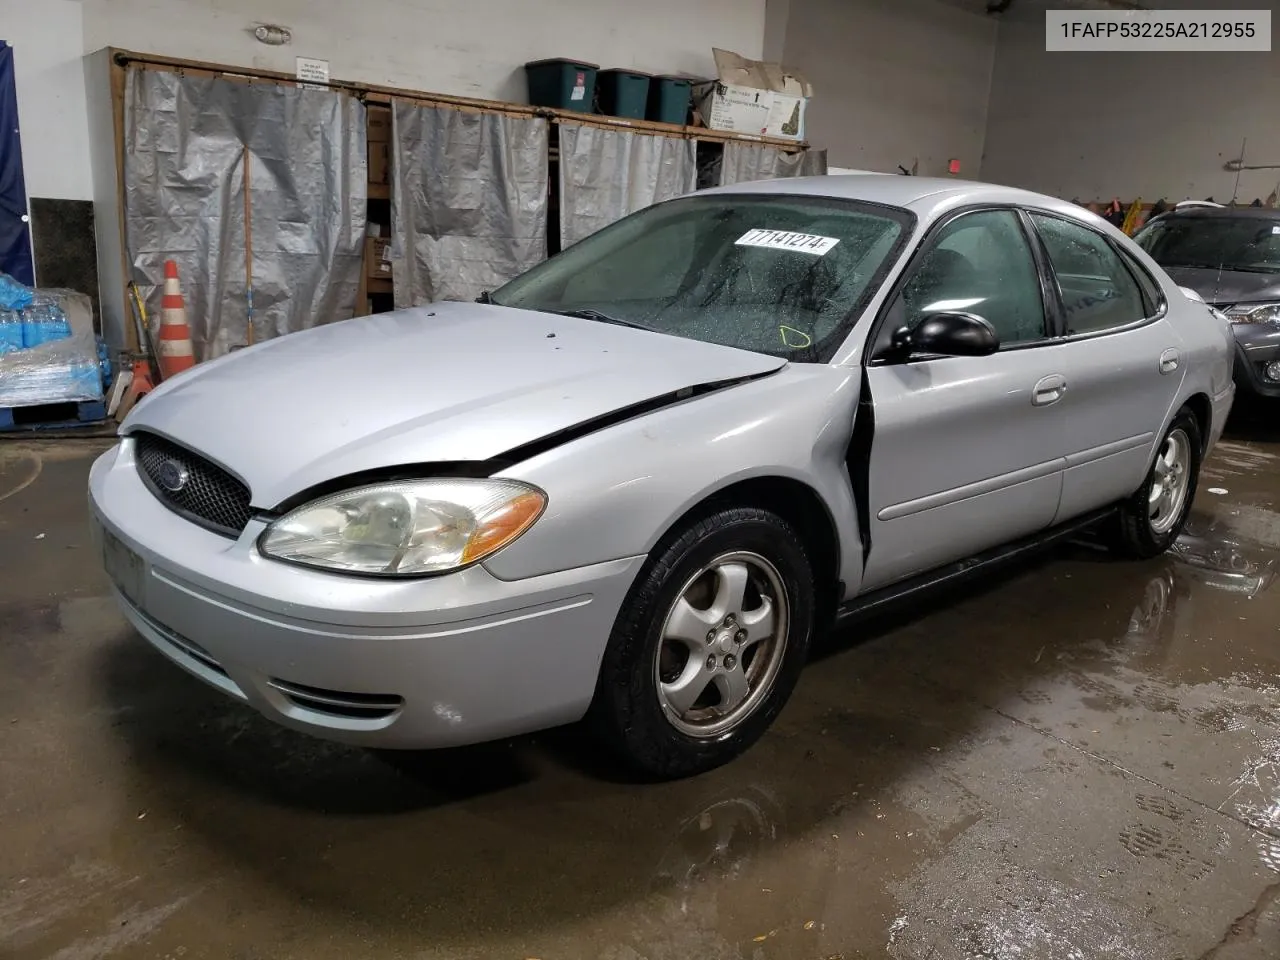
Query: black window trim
x,y
1055,310
873,353
1160,311
1140,272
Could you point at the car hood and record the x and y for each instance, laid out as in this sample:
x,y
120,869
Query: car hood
x,y
1227,286
446,383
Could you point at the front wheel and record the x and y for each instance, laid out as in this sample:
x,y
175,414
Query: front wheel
x,y
708,645
1153,517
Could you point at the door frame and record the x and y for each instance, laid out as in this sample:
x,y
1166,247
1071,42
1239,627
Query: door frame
x,y
1048,282
861,443
1127,260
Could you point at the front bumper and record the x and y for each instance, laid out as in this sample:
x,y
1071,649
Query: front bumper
x,y
435,662
1257,344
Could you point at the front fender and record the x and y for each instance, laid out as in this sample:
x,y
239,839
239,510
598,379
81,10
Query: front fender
x,y
614,493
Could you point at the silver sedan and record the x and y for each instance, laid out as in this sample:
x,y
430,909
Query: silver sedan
x,y
633,483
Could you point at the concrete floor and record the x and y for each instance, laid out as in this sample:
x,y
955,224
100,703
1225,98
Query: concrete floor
x,y
1078,760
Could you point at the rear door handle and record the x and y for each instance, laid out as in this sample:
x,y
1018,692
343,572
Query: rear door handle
x,y
1049,390
1169,361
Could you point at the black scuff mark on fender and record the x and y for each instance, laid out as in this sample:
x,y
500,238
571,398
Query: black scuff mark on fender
x,y
858,462
486,468
528,451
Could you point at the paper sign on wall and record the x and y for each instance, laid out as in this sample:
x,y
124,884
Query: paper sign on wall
x,y
785,240
316,72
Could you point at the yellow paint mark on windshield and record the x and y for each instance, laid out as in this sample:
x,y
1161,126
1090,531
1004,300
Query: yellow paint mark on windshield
x,y
795,339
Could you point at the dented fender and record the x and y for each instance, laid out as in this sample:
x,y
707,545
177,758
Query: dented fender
x,y
615,492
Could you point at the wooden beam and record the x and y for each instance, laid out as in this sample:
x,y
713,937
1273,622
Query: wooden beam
x,y
118,76
374,93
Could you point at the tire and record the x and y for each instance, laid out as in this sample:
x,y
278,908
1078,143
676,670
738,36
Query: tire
x,y
1138,534
646,675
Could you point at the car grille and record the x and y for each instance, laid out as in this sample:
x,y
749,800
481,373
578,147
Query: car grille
x,y
210,496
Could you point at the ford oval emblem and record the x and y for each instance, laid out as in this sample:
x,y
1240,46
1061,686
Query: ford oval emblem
x,y
173,476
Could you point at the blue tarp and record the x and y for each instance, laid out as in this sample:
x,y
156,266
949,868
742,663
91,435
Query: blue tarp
x,y
15,238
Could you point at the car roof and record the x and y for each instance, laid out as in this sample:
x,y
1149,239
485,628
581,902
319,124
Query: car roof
x,y
1221,213
922,195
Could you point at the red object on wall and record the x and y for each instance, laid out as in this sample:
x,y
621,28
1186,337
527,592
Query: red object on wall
x,y
953,166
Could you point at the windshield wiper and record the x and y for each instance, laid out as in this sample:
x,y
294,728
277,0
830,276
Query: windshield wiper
x,y
605,318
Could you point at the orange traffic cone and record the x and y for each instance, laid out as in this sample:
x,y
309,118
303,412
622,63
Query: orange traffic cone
x,y
174,347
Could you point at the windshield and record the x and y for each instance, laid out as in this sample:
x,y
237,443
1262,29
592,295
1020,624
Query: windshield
x,y
1247,244
781,275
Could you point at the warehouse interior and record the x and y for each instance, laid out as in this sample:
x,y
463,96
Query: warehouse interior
x,y
1070,757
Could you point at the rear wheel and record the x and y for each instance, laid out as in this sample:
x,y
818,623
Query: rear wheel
x,y
1154,516
708,645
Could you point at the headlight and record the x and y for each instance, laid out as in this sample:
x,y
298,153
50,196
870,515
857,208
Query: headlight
x,y
1254,313
406,529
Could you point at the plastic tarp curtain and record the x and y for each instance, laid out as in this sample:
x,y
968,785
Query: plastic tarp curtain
x,y
748,161
15,238
607,174
186,143
470,201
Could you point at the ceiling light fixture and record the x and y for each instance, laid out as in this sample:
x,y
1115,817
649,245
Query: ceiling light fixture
x,y
272,34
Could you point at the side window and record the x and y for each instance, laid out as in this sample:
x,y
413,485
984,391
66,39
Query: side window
x,y
980,264
1098,291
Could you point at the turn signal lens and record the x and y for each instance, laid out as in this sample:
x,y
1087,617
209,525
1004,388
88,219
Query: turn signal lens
x,y
504,525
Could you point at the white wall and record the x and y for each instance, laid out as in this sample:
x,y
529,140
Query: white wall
x,y
47,46
473,48
893,81
1097,125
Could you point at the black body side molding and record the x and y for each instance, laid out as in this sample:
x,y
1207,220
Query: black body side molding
x,y
877,600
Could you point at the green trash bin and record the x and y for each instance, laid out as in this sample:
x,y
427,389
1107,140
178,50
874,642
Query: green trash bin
x,y
562,84
623,93
669,99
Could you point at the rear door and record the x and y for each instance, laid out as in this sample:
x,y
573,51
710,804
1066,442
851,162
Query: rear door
x,y
1121,358
966,451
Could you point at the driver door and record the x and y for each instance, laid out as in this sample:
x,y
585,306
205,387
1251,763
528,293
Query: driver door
x,y
967,452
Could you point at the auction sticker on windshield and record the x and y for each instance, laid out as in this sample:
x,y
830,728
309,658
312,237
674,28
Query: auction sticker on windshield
x,y
785,240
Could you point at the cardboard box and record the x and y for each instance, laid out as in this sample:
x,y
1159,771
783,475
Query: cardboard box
x,y
379,124
754,97
377,258
379,162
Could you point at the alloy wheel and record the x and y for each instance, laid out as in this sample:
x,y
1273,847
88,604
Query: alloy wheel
x,y
723,642
1171,477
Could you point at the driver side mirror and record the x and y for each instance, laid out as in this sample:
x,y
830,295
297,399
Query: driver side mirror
x,y
947,335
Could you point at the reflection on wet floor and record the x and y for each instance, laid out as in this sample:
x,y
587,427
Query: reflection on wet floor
x,y
1224,561
1078,759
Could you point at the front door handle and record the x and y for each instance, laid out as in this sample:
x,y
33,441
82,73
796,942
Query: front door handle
x,y
1169,360
1049,390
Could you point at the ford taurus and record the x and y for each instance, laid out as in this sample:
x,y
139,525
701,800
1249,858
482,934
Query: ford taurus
x,y
633,483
